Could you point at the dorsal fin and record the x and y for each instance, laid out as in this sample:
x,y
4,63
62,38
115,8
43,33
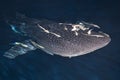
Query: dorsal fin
x,y
19,15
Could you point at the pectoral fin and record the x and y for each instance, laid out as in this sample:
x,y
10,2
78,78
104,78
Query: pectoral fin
x,y
19,48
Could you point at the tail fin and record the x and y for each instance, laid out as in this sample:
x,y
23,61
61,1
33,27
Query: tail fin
x,y
19,49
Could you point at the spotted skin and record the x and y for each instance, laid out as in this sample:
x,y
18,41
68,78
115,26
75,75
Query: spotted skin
x,y
64,39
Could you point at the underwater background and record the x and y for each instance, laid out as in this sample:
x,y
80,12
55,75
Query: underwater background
x,y
103,64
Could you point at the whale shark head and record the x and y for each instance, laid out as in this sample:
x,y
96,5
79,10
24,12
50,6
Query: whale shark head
x,y
75,39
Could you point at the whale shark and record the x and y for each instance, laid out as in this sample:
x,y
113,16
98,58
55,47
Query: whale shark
x,y
55,38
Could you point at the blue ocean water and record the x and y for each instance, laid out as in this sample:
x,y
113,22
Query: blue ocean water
x,y
103,64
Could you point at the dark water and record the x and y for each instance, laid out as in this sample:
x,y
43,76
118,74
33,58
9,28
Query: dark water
x,y
103,64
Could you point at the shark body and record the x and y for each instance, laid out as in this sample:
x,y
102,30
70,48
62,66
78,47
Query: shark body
x,y
64,39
